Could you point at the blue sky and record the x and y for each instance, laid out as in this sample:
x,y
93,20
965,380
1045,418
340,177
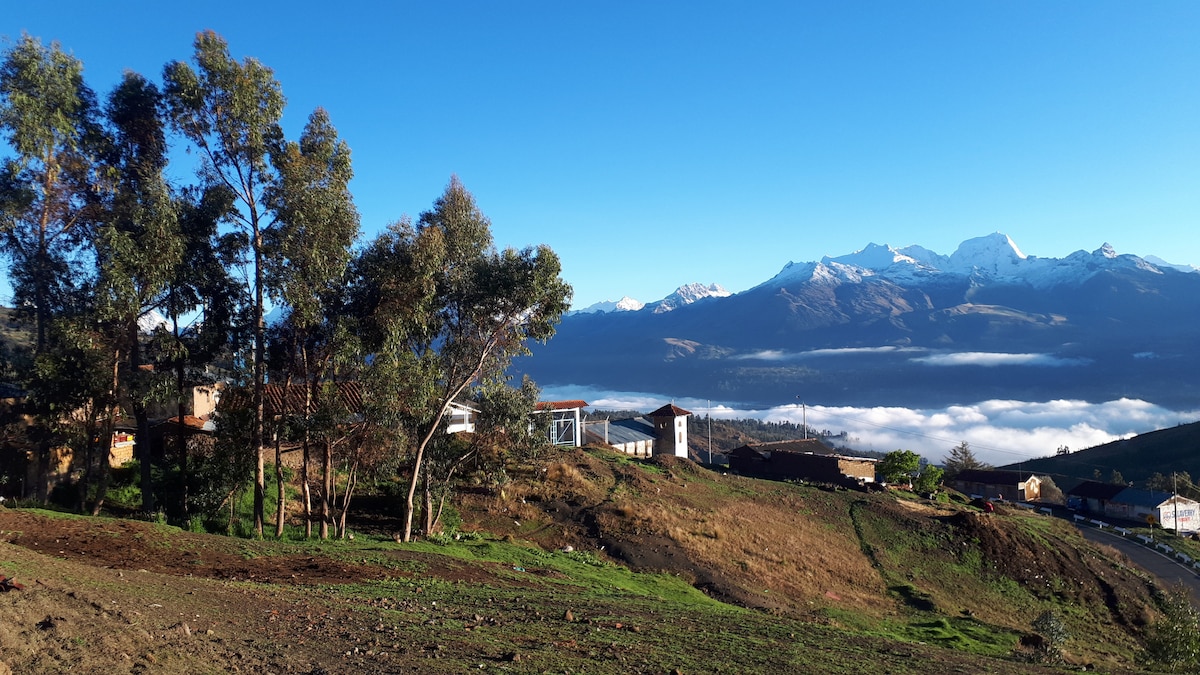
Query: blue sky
x,y
653,144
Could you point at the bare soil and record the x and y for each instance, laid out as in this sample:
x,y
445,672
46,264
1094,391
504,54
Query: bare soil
x,y
105,595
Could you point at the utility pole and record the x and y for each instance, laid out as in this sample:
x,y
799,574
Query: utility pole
x,y
1175,498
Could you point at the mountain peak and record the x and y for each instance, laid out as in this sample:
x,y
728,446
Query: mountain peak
x,y
873,257
625,304
1106,250
687,294
991,253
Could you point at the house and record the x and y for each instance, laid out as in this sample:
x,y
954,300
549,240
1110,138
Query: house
x,y
1180,514
461,418
566,421
670,430
662,432
634,436
807,459
1134,504
1016,486
1093,496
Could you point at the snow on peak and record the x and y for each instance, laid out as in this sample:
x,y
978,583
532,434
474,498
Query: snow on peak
x,y
1160,263
151,321
686,295
873,257
995,254
1106,250
625,304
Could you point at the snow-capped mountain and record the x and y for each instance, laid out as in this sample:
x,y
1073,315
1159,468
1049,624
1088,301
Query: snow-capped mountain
x,y
152,320
688,294
1160,263
994,258
684,295
907,325
625,304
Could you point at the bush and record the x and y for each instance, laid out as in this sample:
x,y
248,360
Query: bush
x,y
1173,641
1050,627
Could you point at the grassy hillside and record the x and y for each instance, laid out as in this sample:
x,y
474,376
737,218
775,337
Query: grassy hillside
x,y
670,568
1136,458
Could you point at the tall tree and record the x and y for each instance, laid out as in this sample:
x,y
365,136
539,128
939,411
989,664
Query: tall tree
x,y
899,466
307,256
202,293
48,195
960,459
231,112
138,249
447,310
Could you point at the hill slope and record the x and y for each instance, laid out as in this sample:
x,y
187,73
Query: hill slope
x,y
1136,458
778,577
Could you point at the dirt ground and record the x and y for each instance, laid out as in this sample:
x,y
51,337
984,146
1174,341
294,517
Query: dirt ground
x,y
174,602
103,595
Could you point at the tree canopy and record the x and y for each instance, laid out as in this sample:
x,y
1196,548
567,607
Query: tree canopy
x,y
99,238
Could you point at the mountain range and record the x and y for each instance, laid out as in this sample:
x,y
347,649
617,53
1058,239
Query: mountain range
x,y
903,326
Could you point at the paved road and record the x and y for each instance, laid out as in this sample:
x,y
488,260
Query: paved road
x,y
1168,571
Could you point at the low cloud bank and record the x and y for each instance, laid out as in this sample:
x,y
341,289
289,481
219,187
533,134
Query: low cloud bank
x,y
944,359
993,359
999,431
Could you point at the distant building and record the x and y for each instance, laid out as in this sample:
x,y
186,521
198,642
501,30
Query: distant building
x,y
1017,486
670,427
1133,504
662,432
566,421
1180,514
808,459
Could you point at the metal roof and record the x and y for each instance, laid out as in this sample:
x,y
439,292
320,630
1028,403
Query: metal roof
x,y
625,431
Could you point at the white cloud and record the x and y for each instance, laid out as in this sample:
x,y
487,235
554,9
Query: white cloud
x,y
780,355
999,431
993,359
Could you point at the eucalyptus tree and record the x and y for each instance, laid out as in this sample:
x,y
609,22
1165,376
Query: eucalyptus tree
x,y
138,248
205,307
49,191
231,112
50,119
445,310
307,256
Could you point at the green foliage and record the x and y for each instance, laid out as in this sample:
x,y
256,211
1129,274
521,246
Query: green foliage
x,y
1054,634
928,481
960,459
442,310
1051,492
899,466
48,116
1173,641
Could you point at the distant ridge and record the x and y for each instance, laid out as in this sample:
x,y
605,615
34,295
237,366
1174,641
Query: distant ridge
x,y
904,326
1136,459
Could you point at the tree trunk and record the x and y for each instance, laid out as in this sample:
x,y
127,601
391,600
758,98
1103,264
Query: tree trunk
x,y
141,439
280,502
327,496
307,492
260,377
180,431
427,503
351,483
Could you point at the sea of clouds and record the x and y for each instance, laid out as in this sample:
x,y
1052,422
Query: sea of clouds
x,y
1000,432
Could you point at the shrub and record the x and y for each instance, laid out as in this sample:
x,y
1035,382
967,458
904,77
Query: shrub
x,y
1173,641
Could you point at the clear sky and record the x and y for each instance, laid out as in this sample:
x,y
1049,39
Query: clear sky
x,y
653,144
